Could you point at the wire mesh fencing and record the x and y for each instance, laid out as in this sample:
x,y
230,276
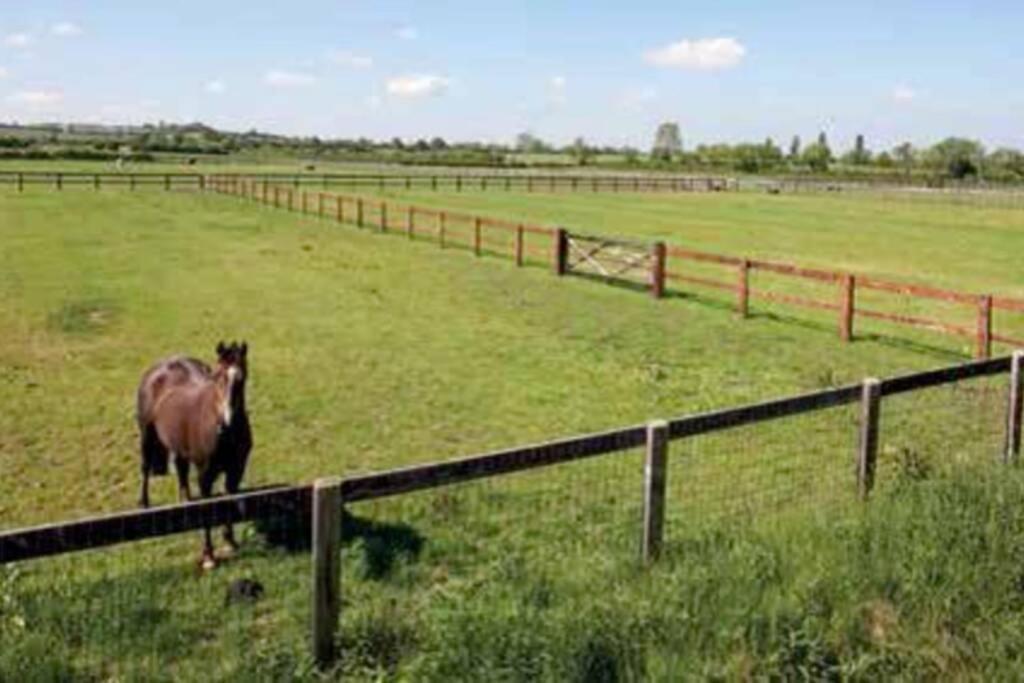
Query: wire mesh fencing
x,y
759,473
950,430
147,611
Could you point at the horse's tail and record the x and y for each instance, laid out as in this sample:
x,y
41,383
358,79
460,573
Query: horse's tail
x,y
155,458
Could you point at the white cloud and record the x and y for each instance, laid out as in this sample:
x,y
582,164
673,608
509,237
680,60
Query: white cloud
x,y
349,59
374,101
422,85
700,54
288,79
903,93
407,32
20,40
558,82
66,29
215,87
4,73
36,98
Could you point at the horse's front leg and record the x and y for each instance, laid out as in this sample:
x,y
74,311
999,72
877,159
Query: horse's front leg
x,y
206,477
184,491
231,545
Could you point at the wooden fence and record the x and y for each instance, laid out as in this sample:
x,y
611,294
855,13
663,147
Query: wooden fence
x,y
322,501
507,182
652,264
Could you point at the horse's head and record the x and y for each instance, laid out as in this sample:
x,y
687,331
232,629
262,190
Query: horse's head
x,y
231,373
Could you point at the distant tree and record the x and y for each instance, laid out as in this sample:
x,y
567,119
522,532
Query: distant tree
x,y
437,144
667,142
1006,162
957,157
904,155
397,143
822,139
631,155
817,157
884,160
771,154
861,155
527,142
794,148
421,145
580,152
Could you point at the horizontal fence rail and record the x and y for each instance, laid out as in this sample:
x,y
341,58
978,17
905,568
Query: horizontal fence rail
x,y
519,182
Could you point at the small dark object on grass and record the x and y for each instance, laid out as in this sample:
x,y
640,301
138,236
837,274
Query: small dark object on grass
x,y
244,590
310,167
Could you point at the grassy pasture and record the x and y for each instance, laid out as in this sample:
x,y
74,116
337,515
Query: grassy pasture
x,y
370,352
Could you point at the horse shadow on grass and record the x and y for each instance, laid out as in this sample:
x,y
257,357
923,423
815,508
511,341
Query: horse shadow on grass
x,y
383,544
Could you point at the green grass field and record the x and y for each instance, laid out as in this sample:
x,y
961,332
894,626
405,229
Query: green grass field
x,y
368,352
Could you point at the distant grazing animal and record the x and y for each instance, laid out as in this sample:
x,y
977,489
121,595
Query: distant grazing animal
x,y
192,414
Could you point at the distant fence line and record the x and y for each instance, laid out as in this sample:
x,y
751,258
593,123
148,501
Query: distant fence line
x,y
322,501
560,182
650,265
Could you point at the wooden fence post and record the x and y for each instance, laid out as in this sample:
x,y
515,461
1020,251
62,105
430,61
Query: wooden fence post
x,y
476,235
359,212
410,221
743,289
658,270
984,346
131,182
326,567
21,182
846,307
340,208
440,229
167,181
383,216
277,197
202,183
561,246
867,445
1015,409
96,181
458,183
60,181
654,490
519,245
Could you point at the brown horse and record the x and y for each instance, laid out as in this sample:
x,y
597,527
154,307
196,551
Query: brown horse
x,y
192,414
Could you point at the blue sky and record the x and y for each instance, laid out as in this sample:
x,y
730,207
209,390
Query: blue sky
x,y
609,71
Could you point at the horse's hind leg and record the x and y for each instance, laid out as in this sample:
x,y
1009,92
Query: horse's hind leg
x,y
153,457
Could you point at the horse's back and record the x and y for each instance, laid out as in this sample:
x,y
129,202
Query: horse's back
x,y
177,371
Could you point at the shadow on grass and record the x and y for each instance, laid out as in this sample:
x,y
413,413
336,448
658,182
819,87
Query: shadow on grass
x,y
887,340
382,543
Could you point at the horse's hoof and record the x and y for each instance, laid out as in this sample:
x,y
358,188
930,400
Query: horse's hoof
x,y
207,563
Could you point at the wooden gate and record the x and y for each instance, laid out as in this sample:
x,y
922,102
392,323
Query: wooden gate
x,y
615,259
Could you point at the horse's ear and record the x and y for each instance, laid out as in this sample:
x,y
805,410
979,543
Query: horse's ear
x,y
221,348
245,347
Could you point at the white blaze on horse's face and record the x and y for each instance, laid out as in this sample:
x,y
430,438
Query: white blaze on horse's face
x,y
234,374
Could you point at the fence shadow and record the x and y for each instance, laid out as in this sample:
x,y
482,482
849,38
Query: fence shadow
x,y
382,543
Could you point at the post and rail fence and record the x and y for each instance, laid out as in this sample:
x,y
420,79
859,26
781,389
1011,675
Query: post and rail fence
x,y
656,266
458,182
322,502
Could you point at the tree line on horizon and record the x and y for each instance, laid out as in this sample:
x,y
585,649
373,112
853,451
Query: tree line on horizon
x,y
954,157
